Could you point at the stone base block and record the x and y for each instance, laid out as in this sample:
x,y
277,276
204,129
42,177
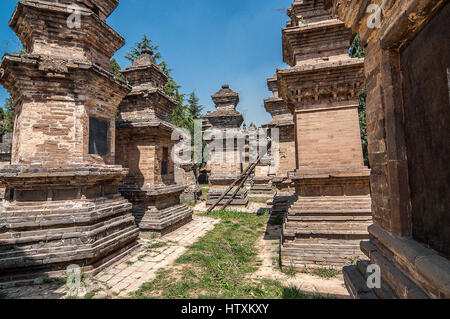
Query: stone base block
x,y
409,270
191,195
165,220
326,231
45,237
240,200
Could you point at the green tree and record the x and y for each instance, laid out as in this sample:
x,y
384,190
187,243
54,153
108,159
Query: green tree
x,y
194,109
7,116
363,124
179,116
357,51
145,43
114,68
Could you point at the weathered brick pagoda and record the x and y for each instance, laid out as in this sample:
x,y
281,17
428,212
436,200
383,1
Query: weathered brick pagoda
x,y
408,98
144,145
62,203
225,165
282,119
325,226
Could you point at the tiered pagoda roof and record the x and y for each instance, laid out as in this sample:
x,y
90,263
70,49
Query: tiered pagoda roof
x,y
225,115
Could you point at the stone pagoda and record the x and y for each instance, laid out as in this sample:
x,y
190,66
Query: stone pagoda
x,y
144,145
62,204
283,121
325,226
225,165
408,98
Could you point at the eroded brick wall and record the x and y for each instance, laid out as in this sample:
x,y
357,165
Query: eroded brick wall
x,y
329,138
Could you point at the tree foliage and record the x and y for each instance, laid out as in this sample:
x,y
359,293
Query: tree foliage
x,y
114,68
357,51
363,124
7,115
138,47
194,108
183,114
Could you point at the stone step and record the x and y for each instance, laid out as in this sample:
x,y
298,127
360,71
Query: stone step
x,y
68,219
40,258
33,239
75,206
31,206
329,218
165,218
328,225
399,283
356,284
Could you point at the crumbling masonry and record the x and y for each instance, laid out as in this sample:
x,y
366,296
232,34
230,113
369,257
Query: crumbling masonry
x,y
225,165
325,226
144,145
408,92
62,204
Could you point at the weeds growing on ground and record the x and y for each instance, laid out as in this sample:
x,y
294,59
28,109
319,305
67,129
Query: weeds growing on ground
x,y
219,265
326,273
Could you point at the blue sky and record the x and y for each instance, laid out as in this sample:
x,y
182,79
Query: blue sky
x,y
206,42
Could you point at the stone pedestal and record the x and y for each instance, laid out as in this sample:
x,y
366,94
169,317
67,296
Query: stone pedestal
x,y
62,204
325,225
188,175
225,164
407,80
144,145
262,182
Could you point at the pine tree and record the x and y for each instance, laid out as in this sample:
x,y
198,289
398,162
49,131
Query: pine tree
x,y
363,124
194,109
7,116
357,51
145,43
114,68
183,115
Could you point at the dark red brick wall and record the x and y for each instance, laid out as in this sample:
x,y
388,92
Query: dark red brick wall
x,y
424,65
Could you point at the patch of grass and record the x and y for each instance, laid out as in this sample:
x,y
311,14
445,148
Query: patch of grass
x,y
92,294
156,246
219,265
205,191
290,271
2,295
130,263
326,273
142,257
